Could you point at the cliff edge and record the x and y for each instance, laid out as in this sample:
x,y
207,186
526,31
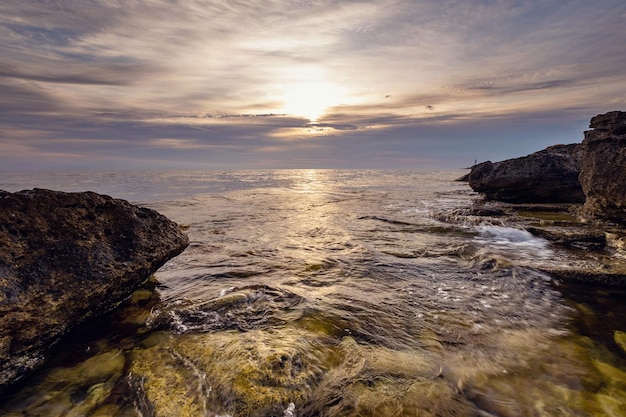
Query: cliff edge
x,y
603,169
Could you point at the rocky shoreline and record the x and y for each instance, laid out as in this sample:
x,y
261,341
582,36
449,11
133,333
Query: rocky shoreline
x,y
572,195
547,176
592,173
68,257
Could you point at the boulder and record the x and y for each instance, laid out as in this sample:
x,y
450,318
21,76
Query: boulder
x,y
65,257
547,176
603,169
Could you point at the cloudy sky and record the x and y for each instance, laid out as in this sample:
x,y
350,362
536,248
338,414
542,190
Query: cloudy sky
x,y
217,84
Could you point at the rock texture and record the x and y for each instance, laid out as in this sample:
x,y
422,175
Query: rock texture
x,y
65,257
547,176
603,170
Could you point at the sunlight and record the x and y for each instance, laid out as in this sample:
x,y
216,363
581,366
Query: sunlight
x,y
311,99
308,94
309,183
312,182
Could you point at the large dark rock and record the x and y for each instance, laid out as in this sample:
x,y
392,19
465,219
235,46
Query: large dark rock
x,y
65,257
603,170
547,176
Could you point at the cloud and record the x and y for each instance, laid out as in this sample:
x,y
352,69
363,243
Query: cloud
x,y
224,82
60,73
20,96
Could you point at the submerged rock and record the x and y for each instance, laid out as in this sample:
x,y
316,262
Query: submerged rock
x,y
547,176
65,257
603,170
620,339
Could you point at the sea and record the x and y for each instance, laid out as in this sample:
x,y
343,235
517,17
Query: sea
x,y
335,293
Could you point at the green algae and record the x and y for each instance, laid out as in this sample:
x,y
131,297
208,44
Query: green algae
x,y
404,364
550,217
70,391
409,398
326,365
96,369
261,372
612,376
168,384
612,404
556,376
251,373
323,324
620,339
378,381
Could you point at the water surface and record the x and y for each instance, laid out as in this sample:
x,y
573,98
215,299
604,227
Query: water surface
x,y
335,293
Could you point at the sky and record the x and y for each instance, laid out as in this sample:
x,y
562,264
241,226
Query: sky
x,y
264,84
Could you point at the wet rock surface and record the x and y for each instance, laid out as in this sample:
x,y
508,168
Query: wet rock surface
x,y
585,252
588,180
603,170
547,176
65,257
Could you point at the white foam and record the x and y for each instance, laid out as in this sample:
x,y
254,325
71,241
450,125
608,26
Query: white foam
x,y
501,234
225,291
290,411
513,242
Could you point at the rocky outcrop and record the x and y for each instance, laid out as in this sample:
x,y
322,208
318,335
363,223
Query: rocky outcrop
x,y
603,170
547,176
65,257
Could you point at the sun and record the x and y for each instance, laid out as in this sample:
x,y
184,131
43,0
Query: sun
x,y
311,99
309,94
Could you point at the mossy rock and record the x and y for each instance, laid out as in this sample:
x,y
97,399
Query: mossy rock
x,y
407,398
98,368
167,383
612,375
70,391
512,396
620,339
612,405
259,372
532,373
238,373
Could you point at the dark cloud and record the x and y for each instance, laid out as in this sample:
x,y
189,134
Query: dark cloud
x,y
335,126
68,73
19,97
494,87
42,36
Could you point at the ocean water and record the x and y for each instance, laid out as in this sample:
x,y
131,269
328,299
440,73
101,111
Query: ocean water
x,y
335,293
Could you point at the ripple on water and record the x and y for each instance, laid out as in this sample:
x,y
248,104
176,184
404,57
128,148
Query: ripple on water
x,y
245,308
344,297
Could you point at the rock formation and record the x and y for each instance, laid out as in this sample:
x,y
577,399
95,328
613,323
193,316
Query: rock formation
x,y
65,257
603,170
547,176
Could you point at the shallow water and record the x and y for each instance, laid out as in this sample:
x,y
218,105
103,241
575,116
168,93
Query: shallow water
x,y
336,293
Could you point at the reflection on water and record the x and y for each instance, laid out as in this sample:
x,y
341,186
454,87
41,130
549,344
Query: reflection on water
x,y
342,293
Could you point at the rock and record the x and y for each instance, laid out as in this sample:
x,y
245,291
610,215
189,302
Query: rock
x,y
614,276
547,176
603,168
464,178
571,236
65,257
